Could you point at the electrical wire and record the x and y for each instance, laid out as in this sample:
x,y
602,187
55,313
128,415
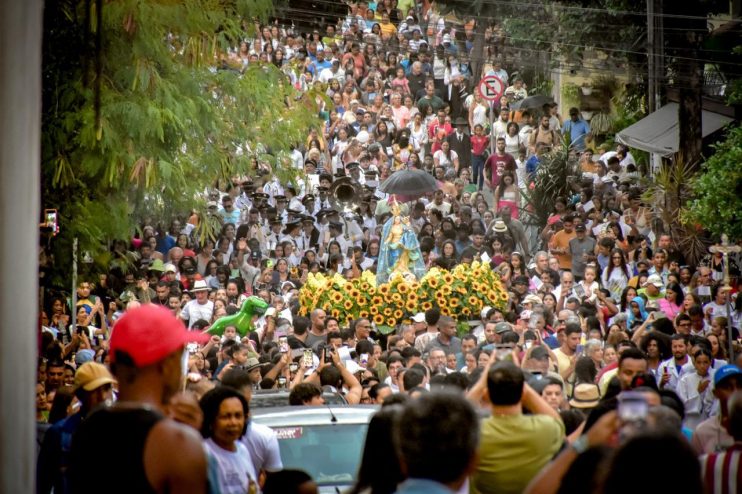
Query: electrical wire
x,y
613,26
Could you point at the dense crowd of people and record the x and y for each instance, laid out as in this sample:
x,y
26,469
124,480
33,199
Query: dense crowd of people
x,y
613,351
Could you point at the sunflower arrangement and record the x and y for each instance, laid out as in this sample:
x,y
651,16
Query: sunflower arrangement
x,y
461,294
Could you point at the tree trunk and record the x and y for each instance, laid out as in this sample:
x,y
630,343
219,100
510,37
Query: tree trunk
x,y
477,52
690,107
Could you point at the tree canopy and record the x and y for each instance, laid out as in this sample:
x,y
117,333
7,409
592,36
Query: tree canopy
x,y
142,111
718,189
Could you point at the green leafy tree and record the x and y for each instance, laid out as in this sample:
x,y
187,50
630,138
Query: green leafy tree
x,y
556,176
142,110
717,203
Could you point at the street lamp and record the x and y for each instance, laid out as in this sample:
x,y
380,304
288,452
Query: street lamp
x,y
725,249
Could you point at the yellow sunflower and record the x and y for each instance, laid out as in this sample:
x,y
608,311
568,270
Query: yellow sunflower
x,y
396,297
377,300
336,313
446,290
391,322
473,300
355,293
447,278
462,290
361,301
387,311
412,296
373,310
364,314
398,314
433,283
378,319
371,291
383,290
453,302
365,286
465,312
336,297
426,305
411,306
348,305
326,306
403,288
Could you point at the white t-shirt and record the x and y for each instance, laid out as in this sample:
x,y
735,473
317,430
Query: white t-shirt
x,y
444,160
262,445
235,471
193,311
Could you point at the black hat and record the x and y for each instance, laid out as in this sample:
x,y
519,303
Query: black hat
x,y
323,189
307,219
308,197
259,195
370,173
276,221
580,227
521,280
280,198
340,173
352,165
336,224
249,185
291,225
293,212
325,176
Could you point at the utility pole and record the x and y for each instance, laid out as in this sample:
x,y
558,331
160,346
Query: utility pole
x,y
655,53
651,49
20,176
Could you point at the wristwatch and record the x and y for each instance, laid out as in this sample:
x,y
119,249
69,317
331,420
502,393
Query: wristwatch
x,y
581,444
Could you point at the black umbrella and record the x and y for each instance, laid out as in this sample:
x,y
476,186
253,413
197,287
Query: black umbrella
x,y
409,182
531,102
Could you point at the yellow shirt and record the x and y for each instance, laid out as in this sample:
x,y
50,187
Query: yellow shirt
x,y
388,28
512,450
605,379
563,361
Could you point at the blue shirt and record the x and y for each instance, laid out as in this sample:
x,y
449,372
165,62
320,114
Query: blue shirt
x,y
577,131
532,166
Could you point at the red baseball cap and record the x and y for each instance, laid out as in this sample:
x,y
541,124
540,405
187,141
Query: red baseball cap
x,y
150,333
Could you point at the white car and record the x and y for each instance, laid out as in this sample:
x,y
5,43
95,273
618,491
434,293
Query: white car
x,y
324,441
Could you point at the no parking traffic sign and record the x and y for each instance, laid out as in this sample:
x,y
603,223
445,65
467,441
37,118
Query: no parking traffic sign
x,y
491,88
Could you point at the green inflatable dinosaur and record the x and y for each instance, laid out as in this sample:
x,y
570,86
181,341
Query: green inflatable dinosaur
x,y
241,320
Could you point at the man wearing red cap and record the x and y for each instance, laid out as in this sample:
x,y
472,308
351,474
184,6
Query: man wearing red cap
x,y
130,446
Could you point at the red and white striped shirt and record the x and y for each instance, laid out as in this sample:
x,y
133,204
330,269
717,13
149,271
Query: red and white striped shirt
x,y
721,471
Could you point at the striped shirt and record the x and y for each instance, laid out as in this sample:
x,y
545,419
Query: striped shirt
x,y
721,471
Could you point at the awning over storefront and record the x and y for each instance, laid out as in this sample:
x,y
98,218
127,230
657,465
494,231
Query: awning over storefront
x,y
658,131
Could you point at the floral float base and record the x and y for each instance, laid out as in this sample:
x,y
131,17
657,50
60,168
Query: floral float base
x,y
461,293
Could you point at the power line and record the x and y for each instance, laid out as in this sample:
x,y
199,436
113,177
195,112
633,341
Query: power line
x,y
615,49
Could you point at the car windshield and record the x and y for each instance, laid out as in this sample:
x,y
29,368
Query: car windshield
x,y
331,454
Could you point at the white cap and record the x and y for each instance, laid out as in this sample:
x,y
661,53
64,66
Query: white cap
x,y
419,317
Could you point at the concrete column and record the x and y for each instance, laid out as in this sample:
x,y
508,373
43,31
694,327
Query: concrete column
x,y
20,131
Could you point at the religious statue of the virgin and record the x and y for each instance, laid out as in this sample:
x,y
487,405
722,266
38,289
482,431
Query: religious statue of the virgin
x,y
400,250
